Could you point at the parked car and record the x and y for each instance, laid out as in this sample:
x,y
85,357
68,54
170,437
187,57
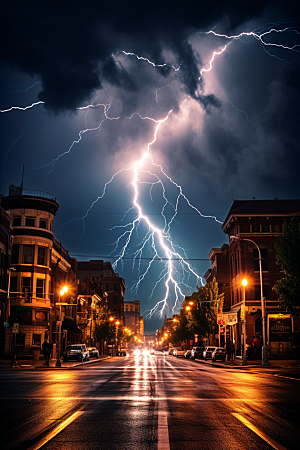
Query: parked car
x,y
187,354
208,352
179,352
197,352
121,353
76,351
219,353
93,352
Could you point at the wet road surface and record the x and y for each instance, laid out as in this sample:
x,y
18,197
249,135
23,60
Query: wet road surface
x,y
149,402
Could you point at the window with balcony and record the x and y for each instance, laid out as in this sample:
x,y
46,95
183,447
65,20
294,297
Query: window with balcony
x,y
43,224
30,221
264,259
28,254
17,221
265,292
15,254
41,256
27,288
40,288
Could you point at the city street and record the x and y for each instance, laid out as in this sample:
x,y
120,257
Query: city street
x,y
150,402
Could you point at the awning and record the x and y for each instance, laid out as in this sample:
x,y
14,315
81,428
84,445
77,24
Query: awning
x,y
70,325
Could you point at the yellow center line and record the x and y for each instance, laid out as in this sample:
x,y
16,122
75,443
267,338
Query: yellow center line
x,y
289,378
265,437
56,430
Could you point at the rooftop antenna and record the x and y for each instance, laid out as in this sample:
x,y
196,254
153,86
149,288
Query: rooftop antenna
x,y
22,179
232,194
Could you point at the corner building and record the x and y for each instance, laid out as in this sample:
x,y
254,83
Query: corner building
x,y
31,215
261,221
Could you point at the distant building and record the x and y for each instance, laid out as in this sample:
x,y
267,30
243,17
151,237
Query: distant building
x,y
101,278
261,221
132,316
219,270
5,252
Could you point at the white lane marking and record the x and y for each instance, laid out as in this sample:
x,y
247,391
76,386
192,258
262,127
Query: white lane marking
x,y
163,430
259,433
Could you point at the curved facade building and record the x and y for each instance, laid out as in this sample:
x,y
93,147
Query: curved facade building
x,y
29,299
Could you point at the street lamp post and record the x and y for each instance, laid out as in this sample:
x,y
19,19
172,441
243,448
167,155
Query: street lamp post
x,y
263,312
62,292
244,283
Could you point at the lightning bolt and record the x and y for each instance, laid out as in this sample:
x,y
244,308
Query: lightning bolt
x,y
146,172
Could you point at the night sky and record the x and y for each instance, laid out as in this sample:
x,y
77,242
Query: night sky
x,y
103,75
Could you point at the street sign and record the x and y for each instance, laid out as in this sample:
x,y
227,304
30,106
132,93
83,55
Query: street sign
x,y
15,328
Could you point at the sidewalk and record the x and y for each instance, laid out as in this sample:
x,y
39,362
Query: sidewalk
x,y
273,363
29,364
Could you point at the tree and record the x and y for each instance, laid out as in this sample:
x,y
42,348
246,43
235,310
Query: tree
x,y
104,331
203,319
180,333
287,257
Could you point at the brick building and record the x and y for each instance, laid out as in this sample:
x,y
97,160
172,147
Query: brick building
x,y
99,276
261,221
132,316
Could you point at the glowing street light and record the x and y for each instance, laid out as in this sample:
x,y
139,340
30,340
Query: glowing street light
x,y
263,312
62,292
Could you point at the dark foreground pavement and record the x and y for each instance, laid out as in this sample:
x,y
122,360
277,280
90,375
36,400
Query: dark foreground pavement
x,y
149,402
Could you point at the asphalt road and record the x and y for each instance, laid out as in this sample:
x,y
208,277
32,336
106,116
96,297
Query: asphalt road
x,y
150,402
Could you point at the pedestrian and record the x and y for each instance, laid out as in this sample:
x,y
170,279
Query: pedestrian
x,y
228,351
47,347
255,346
232,351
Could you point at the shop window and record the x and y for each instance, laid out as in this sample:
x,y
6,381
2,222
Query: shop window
x,y
30,221
41,256
27,288
40,287
43,224
28,254
36,339
17,221
15,254
264,259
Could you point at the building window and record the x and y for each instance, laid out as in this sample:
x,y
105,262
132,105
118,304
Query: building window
x,y
255,229
264,259
15,254
265,229
43,224
13,286
276,228
40,283
36,339
115,288
27,288
17,221
30,221
41,256
115,299
265,292
28,254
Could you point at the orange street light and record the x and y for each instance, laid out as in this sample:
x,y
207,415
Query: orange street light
x,y
111,319
188,308
244,282
191,303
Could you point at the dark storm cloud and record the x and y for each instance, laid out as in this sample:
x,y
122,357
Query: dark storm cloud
x,y
68,45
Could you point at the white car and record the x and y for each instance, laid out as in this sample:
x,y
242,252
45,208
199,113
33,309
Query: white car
x,y
179,352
